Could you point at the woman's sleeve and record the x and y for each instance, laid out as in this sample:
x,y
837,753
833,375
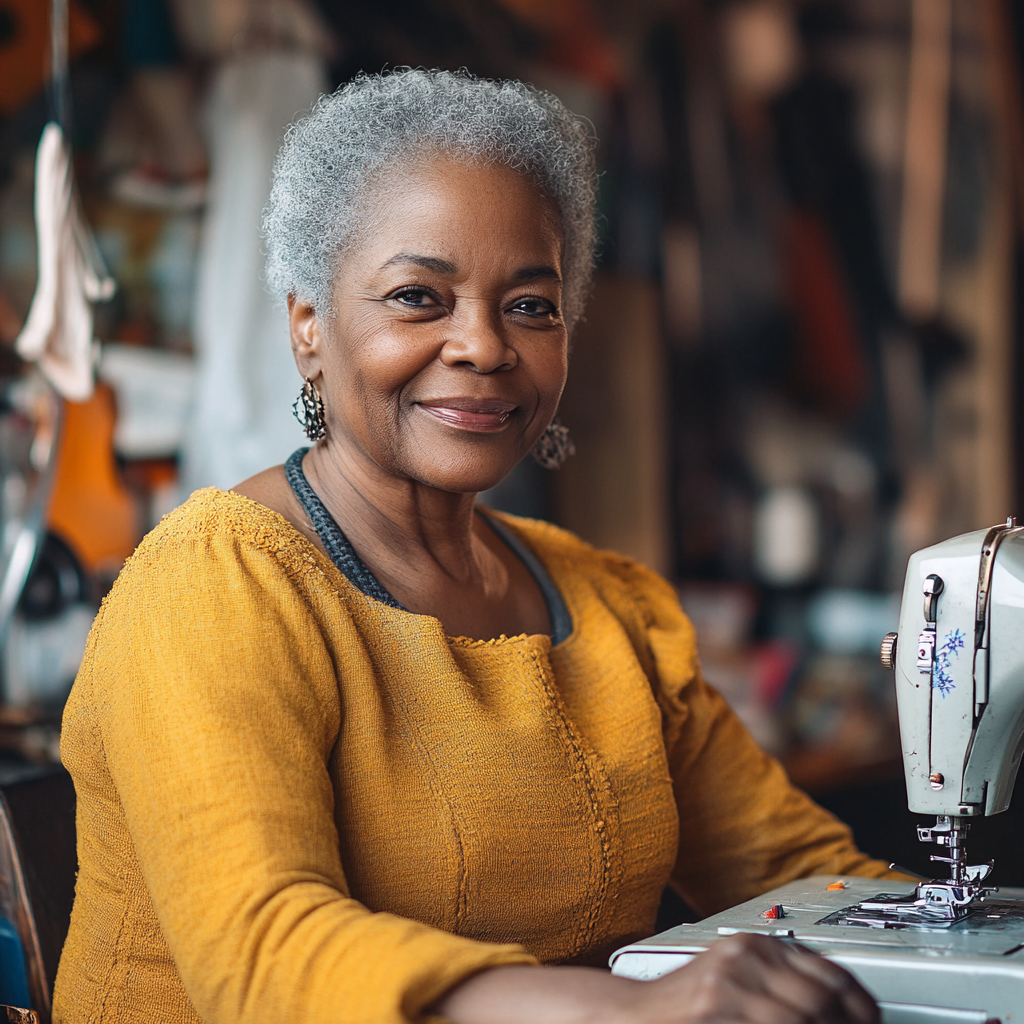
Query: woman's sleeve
x,y
743,827
217,703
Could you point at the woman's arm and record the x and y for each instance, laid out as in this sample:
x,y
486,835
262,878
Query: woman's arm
x,y
744,979
215,707
744,828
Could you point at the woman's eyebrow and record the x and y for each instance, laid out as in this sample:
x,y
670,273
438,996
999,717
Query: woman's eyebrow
x,y
440,266
434,263
541,273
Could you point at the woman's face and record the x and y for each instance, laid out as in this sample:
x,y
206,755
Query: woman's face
x,y
446,355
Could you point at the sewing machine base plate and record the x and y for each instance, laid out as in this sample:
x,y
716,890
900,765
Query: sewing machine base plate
x,y
970,971
881,912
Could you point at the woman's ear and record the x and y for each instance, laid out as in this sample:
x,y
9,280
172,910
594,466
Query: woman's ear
x,y
307,336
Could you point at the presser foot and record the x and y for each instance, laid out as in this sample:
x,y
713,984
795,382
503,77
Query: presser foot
x,y
933,906
951,832
937,904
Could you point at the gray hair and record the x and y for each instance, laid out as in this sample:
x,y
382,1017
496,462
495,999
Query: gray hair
x,y
331,157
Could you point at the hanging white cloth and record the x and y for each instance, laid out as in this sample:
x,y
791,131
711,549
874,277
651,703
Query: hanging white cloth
x,y
58,332
246,379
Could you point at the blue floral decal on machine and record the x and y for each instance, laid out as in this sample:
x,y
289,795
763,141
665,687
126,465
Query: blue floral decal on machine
x,y
951,647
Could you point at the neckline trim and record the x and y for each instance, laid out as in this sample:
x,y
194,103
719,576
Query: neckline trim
x,y
558,612
358,573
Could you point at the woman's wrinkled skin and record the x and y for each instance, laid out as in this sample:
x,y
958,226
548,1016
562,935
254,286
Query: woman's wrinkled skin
x,y
440,364
744,979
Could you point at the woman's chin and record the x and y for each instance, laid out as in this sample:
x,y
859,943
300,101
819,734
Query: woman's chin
x,y
469,475
468,484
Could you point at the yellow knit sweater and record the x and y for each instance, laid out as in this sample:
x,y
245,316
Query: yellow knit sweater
x,y
296,803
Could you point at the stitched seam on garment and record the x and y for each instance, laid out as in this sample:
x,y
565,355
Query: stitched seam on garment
x,y
296,565
671,709
648,621
436,783
116,964
627,579
567,732
462,883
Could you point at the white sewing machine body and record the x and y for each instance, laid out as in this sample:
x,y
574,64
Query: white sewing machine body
x,y
950,950
969,973
962,735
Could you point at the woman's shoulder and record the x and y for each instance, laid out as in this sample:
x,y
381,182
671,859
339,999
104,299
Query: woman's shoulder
x,y
219,532
567,556
594,582
211,514
547,539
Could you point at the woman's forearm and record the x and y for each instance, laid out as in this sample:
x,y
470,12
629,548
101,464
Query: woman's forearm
x,y
538,995
745,979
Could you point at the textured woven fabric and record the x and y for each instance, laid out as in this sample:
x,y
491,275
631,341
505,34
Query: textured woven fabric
x,y
296,803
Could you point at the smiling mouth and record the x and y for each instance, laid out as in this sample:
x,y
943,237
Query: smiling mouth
x,y
480,415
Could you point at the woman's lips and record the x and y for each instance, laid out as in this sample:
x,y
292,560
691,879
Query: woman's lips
x,y
481,415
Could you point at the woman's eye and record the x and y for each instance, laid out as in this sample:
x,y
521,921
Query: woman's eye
x,y
418,298
534,307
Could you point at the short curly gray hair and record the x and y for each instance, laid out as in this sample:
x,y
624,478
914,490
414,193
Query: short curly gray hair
x,y
330,157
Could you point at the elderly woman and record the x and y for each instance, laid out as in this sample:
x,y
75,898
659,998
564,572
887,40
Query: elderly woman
x,y
350,748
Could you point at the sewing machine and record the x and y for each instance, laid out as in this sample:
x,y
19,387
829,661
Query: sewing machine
x,y
949,950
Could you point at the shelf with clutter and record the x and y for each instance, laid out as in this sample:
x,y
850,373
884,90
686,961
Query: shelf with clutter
x,y
801,361
179,374
796,368
96,367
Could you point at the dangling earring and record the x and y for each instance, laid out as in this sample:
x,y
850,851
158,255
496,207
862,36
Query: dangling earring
x,y
311,413
554,446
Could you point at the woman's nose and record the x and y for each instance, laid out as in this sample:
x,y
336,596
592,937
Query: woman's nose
x,y
475,339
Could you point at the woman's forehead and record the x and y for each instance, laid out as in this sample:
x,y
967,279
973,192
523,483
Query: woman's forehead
x,y
445,196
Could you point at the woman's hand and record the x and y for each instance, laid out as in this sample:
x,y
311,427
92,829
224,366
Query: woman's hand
x,y
754,978
744,979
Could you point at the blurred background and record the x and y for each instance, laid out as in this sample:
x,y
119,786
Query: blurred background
x,y
800,362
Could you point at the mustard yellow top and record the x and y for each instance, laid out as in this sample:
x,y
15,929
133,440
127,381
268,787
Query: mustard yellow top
x,y
296,803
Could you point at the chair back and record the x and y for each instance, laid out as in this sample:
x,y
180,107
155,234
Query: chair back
x,y
38,864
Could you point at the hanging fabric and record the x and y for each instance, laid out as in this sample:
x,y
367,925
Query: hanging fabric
x,y
58,332
57,335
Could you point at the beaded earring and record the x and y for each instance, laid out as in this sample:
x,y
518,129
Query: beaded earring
x,y
554,446
309,411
